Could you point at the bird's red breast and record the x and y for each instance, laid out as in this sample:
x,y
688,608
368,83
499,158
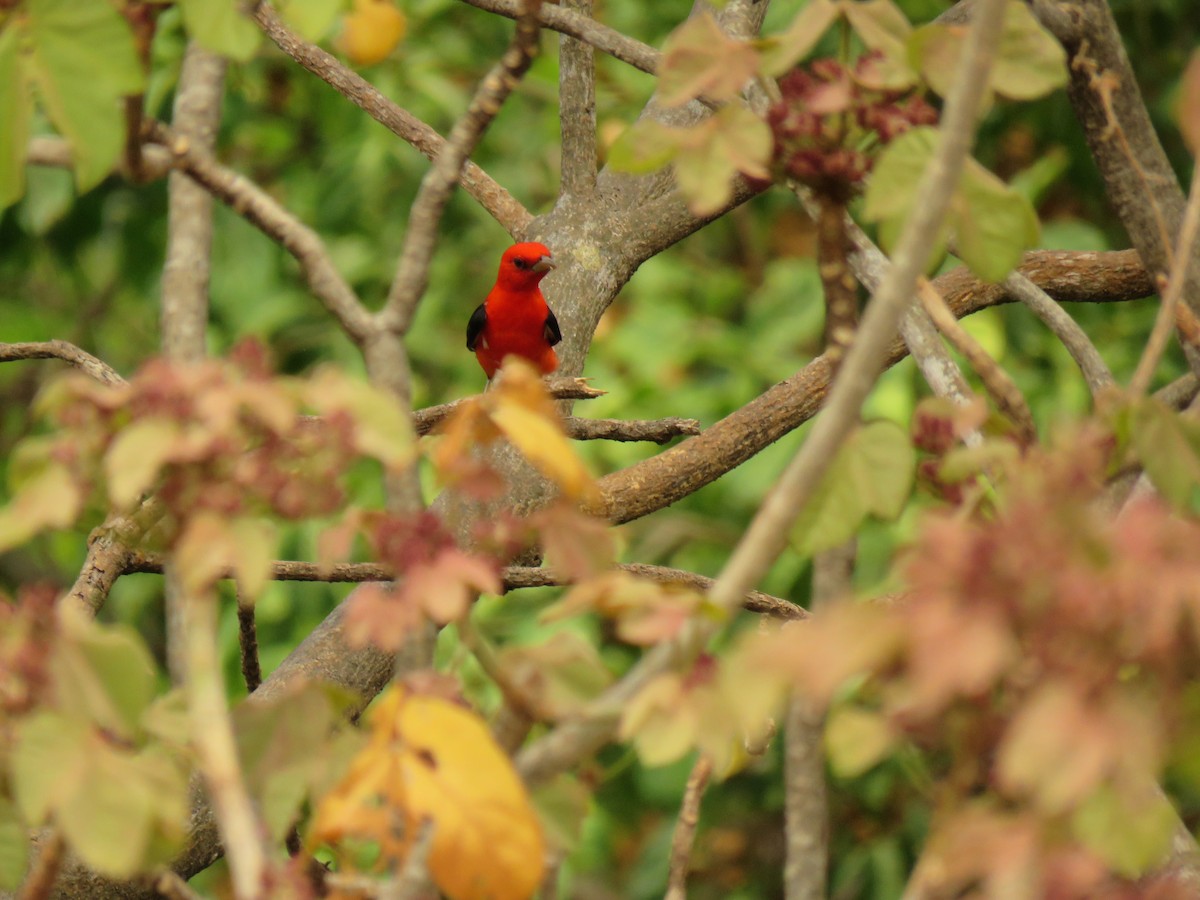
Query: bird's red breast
x,y
515,320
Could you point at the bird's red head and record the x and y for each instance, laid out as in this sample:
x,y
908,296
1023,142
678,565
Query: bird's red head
x,y
524,265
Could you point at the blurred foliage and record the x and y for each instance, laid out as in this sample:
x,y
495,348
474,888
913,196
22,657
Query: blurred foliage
x,y
698,331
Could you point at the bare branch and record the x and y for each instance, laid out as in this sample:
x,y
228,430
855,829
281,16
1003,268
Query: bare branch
x,y
1182,263
188,264
583,28
265,213
685,828
248,644
577,108
412,273
498,202
67,352
172,887
1066,329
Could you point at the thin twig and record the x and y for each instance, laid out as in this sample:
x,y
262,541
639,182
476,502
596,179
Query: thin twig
x,y
39,882
185,279
999,383
497,201
512,577
584,28
68,353
684,836
1181,263
55,152
269,216
248,645
412,272
767,534
577,108
1091,365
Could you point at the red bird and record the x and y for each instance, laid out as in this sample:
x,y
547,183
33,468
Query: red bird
x,y
514,320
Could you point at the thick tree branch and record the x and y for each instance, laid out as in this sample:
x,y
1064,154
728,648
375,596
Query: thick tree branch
x,y
577,108
498,202
412,273
264,212
189,210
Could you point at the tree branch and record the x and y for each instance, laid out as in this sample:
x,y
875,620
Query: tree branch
x,y
188,264
1092,366
412,273
68,353
577,108
268,215
568,21
684,835
498,202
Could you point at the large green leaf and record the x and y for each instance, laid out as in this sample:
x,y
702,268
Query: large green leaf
x,y
310,18
1030,62
1169,447
872,475
83,62
222,27
993,224
49,762
15,108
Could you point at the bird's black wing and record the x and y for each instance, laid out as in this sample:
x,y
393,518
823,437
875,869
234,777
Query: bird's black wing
x,y
476,325
552,331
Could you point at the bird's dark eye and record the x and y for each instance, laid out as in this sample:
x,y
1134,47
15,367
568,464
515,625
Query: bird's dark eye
x,y
520,263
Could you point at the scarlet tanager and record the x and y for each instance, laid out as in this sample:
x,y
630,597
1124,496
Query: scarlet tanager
x,y
514,320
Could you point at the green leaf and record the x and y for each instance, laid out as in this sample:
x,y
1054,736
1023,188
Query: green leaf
x,y
701,60
137,455
872,475
856,739
993,224
645,146
881,462
712,153
780,52
104,673
222,27
1169,448
880,24
254,543
281,745
49,762
14,846
48,499
1030,62
893,185
562,804
1131,833
311,19
16,106
83,62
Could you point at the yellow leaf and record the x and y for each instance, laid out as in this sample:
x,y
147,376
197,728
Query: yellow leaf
x,y
432,761
521,408
50,499
253,548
